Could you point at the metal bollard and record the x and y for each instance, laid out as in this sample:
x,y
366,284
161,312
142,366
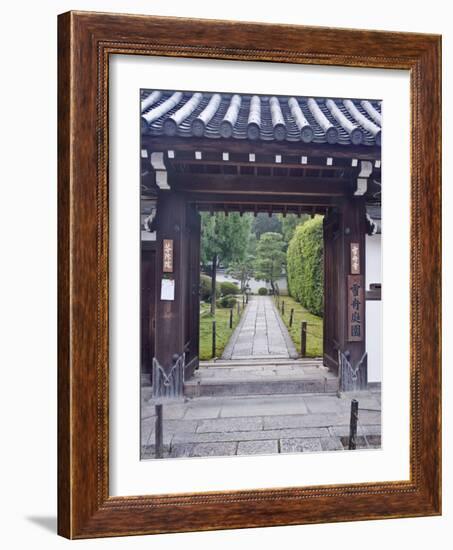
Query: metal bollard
x,y
213,339
291,315
231,318
353,424
159,432
303,338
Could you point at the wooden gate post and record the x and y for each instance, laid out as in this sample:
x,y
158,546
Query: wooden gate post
x,y
351,284
344,256
171,310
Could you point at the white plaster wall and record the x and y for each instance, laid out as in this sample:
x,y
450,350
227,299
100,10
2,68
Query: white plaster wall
x,y
373,259
374,309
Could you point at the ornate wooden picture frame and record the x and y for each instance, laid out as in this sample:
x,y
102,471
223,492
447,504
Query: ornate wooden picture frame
x,y
85,507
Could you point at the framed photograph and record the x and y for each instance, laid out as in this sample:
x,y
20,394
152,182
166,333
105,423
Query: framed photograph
x,y
249,275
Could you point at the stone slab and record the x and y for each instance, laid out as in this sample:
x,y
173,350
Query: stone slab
x,y
240,424
300,445
202,411
257,447
342,431
305,421
214,449
331,444
323,404
205,437
258,387
265,406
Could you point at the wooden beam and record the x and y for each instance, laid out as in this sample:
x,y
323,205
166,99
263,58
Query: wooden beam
x,y
163,143
260,199
245,184
241,209
241,158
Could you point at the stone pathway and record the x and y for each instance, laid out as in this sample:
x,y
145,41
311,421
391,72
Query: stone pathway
x,y
260,333
226,426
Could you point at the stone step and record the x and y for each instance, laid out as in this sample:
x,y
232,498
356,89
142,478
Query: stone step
x,y
261,361
276,386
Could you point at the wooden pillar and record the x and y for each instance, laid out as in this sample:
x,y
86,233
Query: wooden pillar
x,y
351,283
170,314
147,307
192,321
332,251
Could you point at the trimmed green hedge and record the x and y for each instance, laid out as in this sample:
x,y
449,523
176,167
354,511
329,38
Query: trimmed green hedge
x,y
305,268
227,288
227,301
205,288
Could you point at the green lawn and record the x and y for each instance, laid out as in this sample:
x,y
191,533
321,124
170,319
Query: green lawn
x,y
314,326
223,331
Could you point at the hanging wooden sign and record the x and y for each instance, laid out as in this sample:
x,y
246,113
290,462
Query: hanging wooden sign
x,y
356,321
355,259
168,256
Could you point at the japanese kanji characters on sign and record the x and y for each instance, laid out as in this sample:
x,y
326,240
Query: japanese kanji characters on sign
x,y
168,256
356,321
355,259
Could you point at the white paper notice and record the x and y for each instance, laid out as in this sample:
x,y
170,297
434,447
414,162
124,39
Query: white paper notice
x,y
167,291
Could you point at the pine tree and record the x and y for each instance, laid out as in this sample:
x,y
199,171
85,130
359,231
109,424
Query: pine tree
x,y
270,258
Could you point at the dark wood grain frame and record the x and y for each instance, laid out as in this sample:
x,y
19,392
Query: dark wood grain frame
x,y
85,42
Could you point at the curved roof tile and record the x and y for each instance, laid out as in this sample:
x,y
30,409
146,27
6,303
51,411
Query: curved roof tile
x,y
265,118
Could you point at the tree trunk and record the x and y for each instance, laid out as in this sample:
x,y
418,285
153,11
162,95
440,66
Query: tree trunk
x,y
213,283
272,286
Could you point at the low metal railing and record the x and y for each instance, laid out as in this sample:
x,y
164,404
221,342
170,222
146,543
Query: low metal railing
x,y
352,377
168,386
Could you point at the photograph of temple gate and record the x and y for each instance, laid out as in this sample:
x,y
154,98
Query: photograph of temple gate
x,y
260,274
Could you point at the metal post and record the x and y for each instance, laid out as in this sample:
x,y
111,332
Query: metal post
x,y
231,318
247,298
353,424
283,307
291,315
303,339
159,432
213,339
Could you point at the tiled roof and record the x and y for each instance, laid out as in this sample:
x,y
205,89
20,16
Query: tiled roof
x,y
258,117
